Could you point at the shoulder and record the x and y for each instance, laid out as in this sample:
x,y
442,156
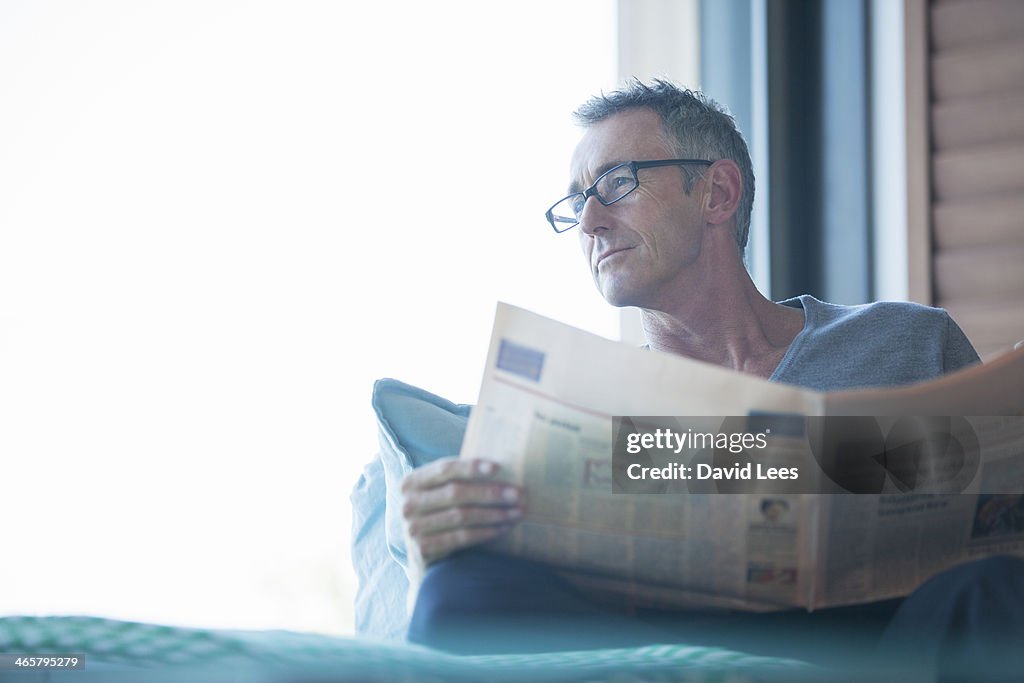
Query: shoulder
x,y
882,322
892,315
882,343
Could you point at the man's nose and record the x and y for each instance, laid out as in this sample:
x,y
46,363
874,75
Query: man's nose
x,y
594,217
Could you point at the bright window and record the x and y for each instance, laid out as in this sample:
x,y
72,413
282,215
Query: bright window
x,y
220,222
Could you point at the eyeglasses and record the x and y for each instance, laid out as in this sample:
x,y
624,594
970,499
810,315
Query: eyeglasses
x,y
612,186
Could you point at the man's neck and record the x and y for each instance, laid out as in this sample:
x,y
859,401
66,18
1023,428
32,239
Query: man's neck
x,y
735,326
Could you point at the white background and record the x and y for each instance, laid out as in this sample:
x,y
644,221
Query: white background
x,y
220,221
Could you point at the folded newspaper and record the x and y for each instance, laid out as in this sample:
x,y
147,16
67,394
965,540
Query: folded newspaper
x,y
658,481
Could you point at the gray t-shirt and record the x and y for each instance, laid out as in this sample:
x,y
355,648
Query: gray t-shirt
x,y
882,344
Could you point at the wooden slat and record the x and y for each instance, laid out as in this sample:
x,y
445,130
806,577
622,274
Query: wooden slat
x,y
992,327
970,22
980,275
984,222
977,173
987,69
978,121
976,126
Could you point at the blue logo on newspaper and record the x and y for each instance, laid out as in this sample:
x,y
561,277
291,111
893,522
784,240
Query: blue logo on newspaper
x,y
520,360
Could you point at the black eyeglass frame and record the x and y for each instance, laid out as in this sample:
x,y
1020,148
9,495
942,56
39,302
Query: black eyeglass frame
x,y
633,166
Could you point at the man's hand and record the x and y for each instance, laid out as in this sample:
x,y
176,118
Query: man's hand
x,y
452,504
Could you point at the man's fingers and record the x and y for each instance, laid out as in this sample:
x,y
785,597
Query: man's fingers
x,y
458,494
445,470
435,547
462,517
452,504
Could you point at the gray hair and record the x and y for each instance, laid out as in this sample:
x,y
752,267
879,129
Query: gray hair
x,y
696,125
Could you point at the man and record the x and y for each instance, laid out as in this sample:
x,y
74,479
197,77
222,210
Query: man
x,y
660,195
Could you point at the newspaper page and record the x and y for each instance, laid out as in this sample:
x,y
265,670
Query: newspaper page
x,y
545,413
953,489
558,406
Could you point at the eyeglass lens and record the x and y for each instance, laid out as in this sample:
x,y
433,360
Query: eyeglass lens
x,y
610,187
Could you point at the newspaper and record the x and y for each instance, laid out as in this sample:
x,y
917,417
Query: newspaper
x,y
551,412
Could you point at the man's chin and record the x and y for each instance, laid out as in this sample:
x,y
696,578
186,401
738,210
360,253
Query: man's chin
x,y
619,297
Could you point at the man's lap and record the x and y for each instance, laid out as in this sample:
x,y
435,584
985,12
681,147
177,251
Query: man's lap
x,y
476,602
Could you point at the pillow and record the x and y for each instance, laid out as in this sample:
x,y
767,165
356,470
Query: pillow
x,y
415,427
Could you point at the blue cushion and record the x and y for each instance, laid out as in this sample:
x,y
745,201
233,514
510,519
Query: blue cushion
x,y
415,427
380,595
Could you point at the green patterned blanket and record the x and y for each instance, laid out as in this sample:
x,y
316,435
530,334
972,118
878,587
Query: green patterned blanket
x,y
117,651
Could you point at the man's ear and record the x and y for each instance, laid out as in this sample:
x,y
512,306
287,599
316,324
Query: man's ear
x,y
726,186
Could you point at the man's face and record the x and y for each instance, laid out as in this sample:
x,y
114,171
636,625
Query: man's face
x,y
640,248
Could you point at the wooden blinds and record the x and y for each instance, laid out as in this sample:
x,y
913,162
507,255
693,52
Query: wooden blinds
x,y
975,107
